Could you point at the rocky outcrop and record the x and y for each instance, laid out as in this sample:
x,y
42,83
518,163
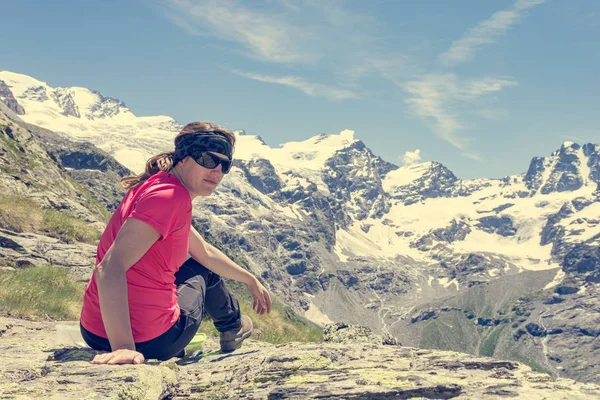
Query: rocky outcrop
x,y
560,172
352,363
47,165
499,225
105,107
353,176
27,249
261,174
457,230
436,181
26,168
583,260
7,97
592,151
62,97
35,93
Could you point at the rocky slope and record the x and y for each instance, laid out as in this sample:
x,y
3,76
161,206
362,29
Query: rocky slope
x,y
352,363
57,174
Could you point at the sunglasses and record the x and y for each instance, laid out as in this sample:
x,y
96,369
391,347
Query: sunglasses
x,y
211,161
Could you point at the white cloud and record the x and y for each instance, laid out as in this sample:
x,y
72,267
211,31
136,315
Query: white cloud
x,y
265,36
411,157
435,97
296,33
311,89
485,32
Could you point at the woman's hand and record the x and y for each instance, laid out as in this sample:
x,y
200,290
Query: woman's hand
x,y
120,356
262,300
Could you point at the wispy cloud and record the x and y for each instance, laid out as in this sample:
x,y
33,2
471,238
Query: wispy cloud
x,y
295,34
485,32
311,35
472,156
436,97
310,89
264,36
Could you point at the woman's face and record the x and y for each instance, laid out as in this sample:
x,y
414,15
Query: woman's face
x,y
201,181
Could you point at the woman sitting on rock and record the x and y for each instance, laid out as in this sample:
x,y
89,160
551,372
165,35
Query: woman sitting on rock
x,y
144,300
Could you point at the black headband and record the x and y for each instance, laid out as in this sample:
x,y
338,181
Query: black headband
x,y
202,141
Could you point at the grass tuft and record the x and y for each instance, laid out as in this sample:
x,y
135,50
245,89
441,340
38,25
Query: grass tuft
x,y
68,228
41,292
282,325
49,292
21,214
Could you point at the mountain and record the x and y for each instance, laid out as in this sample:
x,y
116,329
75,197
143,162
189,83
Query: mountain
x,y
87,115
501,267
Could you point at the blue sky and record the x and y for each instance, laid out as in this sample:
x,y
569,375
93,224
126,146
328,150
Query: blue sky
x,y
480,86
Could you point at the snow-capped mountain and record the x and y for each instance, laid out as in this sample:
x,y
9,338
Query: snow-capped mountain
x,y
344,235
378,209
87,115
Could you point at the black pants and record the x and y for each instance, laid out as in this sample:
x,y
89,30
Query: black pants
x,y
199,290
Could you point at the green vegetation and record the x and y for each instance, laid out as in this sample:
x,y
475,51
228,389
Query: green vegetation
x,y
40,292
282,325
89,201
11,143
518,354
25,162
69,229
451,331
49,292
489,344
21,214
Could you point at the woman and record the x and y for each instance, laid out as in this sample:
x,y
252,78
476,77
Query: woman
x,y
144,300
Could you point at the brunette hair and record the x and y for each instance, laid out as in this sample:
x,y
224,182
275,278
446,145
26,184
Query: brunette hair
x,y
164,161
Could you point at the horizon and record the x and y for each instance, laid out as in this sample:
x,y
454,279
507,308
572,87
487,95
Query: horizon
x,y
479,88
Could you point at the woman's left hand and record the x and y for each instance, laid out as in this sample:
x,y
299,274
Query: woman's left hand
x,y
262,299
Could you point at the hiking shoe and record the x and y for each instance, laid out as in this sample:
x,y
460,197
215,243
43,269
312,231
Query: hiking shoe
x,y
233,339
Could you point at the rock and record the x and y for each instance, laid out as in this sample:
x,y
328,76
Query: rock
x,y
38,250
500,225
582,259
7,97
261,174
564,290
296,268
455,231
535,330
354,178
423,316
62,97
353,365
562,168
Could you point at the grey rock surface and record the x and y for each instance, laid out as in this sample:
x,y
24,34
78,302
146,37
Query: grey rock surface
x,y
352,363
7,97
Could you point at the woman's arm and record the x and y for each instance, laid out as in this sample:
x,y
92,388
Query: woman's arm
x,y
133,240
213,259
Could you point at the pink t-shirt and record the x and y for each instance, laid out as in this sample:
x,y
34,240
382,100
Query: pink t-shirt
x,y
165,204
